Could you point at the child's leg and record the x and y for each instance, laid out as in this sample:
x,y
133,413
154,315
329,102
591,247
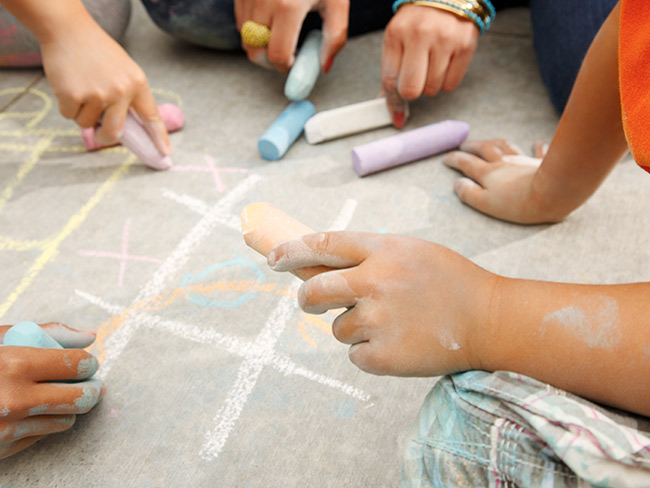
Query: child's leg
x,y
209,23
504,429
19,48
563,31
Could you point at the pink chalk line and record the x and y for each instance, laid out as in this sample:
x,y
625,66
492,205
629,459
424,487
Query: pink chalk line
x,y
211,167
124,256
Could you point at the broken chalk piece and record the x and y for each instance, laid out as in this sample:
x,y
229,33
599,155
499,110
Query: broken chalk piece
x,y
29,334
171,115
264,227
285,130
408,146
348,120
305,69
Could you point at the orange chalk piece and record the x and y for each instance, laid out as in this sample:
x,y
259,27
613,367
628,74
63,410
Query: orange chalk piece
x,y
264,227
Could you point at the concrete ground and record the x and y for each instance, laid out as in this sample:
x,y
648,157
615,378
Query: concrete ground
x,y
215,377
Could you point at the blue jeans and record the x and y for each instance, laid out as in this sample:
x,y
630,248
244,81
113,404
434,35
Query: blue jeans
x,y
562,29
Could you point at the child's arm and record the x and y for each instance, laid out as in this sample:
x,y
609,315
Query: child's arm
x,y
419,309
89,72
588,143
34,400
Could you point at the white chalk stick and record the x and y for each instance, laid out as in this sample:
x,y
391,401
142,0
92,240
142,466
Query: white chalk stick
x,y
348,120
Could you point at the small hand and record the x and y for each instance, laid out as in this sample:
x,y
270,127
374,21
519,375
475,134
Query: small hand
x,y
500,181
414,307
425,50
93,77
32,403
285,19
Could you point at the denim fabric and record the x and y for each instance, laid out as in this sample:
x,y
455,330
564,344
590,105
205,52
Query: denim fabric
x,y
506,430
562,33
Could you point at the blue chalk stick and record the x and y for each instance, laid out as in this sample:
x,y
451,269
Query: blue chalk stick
x,y
29,334
305,69
285,130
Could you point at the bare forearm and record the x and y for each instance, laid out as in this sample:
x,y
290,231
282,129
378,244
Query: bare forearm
x,y
46,19
592,340
589,140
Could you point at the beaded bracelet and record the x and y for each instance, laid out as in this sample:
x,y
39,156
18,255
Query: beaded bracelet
x,y
481,12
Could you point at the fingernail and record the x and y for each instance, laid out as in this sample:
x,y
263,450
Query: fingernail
x,y
328,64
399,119
271,259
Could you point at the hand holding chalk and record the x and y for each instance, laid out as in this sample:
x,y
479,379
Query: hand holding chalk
x,y
136,138
412,305
43,386
171,115
264,227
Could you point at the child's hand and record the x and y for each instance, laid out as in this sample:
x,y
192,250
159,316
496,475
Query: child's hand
x,y
414,307
285,18
425,50
500,181
32,404
92,75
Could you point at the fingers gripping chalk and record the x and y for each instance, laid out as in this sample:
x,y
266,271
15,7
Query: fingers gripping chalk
x,y
285,130
305,69
348,120
264,227
171,115
29,334
408,146
137,139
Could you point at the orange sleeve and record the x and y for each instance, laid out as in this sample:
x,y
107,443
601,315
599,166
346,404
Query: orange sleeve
x,y
634,77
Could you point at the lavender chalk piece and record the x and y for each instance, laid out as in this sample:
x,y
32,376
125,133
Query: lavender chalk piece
x,y
305,69
408,146
29,334
285,130
137,139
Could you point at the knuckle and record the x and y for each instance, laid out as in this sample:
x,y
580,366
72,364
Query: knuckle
x,y
307,295
322,242
13,365
284,6
409,91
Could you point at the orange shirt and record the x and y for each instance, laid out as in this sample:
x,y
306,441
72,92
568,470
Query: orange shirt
x,y
634,77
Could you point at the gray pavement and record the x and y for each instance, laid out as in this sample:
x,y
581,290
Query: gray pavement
x,y
215,377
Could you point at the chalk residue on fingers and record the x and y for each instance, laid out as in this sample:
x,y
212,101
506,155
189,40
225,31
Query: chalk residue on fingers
x,y
264,227
596,323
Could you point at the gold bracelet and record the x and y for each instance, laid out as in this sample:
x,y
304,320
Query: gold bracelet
x,y
464,5
465,9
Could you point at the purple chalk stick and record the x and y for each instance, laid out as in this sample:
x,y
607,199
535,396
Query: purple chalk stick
x,y
408,146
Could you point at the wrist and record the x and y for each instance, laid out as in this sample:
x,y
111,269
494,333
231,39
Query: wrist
x,y
484,327
480,12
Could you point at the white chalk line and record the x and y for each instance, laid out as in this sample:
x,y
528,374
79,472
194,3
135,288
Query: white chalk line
x,y
256,357
179,256
231,344
252,367
233,221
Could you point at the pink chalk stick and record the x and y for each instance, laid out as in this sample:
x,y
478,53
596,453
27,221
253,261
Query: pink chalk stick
x,y
408,146
171,115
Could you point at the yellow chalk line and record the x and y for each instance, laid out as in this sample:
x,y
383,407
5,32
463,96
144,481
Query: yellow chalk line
x,y
24,169
52,249
8,244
